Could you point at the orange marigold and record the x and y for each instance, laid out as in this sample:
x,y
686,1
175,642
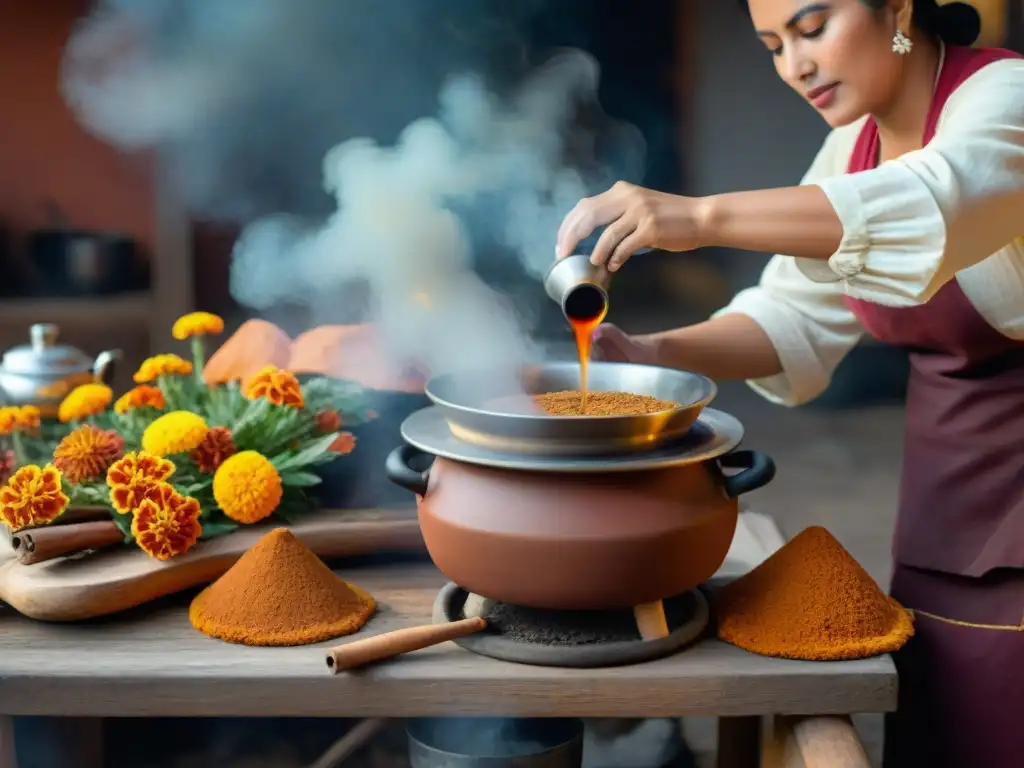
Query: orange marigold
x,y
8,420
166,523
133,477
33,496
162,365
197,324
84,401
328,421
345,444
276,386
215,448
247,487
28,417
87,453
142,396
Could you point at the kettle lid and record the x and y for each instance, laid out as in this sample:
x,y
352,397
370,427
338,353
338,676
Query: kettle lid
x,y
44,356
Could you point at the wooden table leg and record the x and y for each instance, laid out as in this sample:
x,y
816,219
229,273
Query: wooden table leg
x,y
739,742
815,742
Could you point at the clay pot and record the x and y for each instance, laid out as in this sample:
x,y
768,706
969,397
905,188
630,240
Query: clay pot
x,y
585,541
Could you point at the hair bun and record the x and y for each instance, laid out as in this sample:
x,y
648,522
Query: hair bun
x,y
958,23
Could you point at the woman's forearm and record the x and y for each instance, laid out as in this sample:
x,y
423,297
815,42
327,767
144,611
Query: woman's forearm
x,y
796,221
730,346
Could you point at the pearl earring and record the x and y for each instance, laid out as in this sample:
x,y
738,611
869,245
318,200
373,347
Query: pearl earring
x,y
902,44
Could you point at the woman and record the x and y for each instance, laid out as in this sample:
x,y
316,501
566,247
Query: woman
x,y
905,226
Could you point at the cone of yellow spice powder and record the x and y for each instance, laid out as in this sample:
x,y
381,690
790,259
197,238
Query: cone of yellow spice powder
x,y
811,600
280,593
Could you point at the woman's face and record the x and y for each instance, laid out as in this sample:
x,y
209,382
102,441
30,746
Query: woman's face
x,y
837,54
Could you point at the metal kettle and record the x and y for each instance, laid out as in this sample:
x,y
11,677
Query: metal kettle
x,y
42,372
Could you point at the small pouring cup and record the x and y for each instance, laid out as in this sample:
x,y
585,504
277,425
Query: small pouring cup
x,y
578,287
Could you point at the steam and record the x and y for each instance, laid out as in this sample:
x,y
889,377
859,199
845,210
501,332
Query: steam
x,y
230,92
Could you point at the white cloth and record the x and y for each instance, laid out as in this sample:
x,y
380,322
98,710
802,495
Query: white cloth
x,y
952,210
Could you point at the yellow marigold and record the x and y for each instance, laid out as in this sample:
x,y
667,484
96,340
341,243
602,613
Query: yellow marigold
x,y
166,523
215,448
84,401
247,487
197,324
28,417
277,386
140,397
32,496
87,453
8,420
133,477
174,432
162,365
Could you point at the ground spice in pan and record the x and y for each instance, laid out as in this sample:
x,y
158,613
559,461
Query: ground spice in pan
x,y
280,593
601,404
811,600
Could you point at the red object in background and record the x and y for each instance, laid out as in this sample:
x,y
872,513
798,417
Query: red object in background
x,y
44,153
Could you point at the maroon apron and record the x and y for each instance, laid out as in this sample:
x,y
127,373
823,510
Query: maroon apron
x,y
959,541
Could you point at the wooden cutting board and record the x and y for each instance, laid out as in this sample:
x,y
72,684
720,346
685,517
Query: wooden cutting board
x,y
118,578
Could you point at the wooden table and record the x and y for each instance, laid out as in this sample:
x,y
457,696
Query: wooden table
x,y
152,663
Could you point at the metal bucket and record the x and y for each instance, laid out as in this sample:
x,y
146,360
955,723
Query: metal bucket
x,y
475,742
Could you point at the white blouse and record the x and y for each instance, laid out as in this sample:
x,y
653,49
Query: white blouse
x,y
952,210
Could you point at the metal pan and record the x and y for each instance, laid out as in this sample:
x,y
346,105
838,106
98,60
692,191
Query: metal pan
x,y
477,408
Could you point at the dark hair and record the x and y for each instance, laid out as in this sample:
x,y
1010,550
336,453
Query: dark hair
x,y
954,23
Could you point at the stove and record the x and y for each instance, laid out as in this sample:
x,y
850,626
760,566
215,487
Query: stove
x,y
573,639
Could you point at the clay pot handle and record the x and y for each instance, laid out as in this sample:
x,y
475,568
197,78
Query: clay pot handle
x,y
391,644
402,474
758,470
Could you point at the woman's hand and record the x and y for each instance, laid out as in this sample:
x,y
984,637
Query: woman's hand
x,y
635,218
618,347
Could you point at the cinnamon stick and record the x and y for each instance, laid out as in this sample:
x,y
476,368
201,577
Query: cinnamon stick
x,y
391,644
40,544
75,515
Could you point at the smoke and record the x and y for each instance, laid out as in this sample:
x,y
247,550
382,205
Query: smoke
x,y
244,98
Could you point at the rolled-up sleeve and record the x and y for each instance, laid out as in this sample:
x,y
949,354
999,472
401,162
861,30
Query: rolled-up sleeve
x,y
807,320
809,325
912,223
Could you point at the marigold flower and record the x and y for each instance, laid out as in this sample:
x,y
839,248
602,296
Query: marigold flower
x,y
213,450
174,432
197,324
87,453
247,487
142,396
328,421
33,496
84,401
8,420
55,389
133,477
162,365
276,386
345,444
166,523
28,417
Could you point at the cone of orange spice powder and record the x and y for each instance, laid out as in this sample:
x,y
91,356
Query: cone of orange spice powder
x,y
811,600
280,593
